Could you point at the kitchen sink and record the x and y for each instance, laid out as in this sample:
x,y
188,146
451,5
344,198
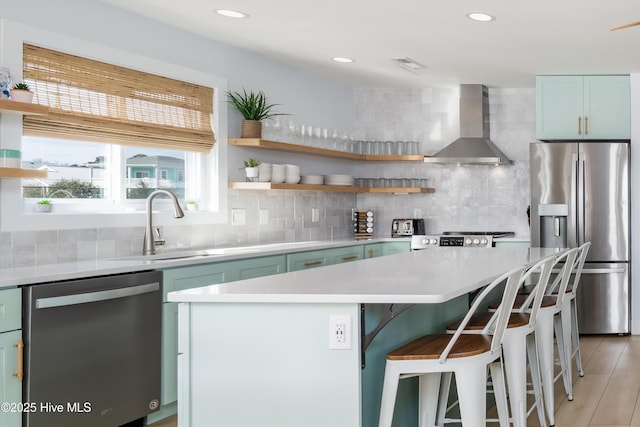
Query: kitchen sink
x,y
187,254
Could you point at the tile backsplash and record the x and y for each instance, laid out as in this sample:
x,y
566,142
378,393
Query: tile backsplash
x,y
469,197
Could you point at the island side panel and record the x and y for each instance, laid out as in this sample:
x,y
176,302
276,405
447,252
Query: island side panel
x,y
421,319
252,364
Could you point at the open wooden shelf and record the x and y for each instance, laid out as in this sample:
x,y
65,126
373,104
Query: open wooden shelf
x,y
22,108
22,173
295,148
328,188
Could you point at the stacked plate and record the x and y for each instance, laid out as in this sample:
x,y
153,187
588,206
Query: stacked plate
x,y
312,179
347,180
292,174
265,171
277,173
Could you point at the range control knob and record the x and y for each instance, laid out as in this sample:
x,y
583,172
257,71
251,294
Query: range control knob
x,y
476,242
483,242
433,241
467,241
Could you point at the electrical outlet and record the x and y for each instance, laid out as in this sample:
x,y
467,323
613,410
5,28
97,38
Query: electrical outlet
x,y
238,217
315,214
264,216
417,213
339,332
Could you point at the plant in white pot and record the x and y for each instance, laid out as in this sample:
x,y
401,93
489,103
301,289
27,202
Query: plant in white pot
x,y
254,108
251,168
21,92
43,206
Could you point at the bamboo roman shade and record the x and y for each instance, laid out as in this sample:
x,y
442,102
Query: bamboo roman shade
x,y
95,101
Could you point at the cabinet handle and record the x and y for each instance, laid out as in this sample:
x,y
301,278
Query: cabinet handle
x,y
370,253
347,258
586,125
579,125
20,347
309,264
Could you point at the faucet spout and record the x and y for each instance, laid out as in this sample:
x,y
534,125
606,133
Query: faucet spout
x,y
149,246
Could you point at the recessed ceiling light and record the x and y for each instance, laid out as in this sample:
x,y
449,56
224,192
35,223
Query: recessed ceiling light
x,y
342,59
231,13
480,16
408,64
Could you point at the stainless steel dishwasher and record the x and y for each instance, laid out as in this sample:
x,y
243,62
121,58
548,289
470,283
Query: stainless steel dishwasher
x,y
92,351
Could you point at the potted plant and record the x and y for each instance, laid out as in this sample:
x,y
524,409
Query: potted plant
x,y
43,206
254,108
192,205
21,92
251,168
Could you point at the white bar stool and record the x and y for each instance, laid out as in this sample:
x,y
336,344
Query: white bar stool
x,y
466,355
518,344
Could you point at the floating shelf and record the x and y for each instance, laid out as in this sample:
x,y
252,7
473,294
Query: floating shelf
x,y
328,188
295,148
8,106
22,173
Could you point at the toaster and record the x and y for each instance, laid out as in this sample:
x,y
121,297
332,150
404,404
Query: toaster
x,y
407,227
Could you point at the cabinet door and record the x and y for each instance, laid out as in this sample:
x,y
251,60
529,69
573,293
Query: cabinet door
x,y
559,107
373,250
391,248
169,383
177,279
10,387
257,267
346,254
607,107
305,260
10,309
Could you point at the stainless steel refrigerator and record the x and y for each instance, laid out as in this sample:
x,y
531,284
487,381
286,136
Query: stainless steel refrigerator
x,y
579,193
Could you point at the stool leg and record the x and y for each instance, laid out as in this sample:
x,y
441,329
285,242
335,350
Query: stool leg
x,y
500,392
575,335
471,382
429,390
389,391
563,338
534,367
515,365
443,398
544,340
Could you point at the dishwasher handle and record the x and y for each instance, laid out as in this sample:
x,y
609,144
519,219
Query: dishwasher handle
x,y
61,301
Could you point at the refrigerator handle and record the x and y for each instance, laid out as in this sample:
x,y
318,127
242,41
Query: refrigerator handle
x,y
580,237
573,211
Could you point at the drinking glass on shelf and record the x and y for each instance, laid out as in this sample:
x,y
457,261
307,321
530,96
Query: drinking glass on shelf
x,y
293,131
277,129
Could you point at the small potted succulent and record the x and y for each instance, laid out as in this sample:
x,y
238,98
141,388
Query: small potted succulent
x,y
21,92
251,168
43,206
254,108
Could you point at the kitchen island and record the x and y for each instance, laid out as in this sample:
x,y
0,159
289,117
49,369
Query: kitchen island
x,y
264,351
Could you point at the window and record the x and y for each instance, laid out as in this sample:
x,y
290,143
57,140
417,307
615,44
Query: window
x,y
102,168
112,133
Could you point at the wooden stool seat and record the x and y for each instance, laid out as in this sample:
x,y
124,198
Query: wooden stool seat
x,y
432,346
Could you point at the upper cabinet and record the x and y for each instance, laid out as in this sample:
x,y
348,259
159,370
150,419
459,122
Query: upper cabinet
x,y
583,107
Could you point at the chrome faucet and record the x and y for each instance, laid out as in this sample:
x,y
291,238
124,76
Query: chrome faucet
x,y
150,242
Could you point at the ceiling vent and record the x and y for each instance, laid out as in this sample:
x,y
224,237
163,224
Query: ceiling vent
x,y
408,64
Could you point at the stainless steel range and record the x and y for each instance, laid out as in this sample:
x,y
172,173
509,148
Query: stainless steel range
x,y
480,239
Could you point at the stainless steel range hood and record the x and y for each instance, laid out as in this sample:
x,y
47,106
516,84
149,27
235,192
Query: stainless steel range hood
x,y
474,146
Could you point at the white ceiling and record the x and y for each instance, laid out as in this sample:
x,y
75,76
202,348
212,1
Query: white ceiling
x,y
527,38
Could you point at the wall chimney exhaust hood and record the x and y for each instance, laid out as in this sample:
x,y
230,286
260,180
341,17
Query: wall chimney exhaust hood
x,y
474,146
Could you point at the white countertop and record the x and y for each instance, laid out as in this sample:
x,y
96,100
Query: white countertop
x,y
25,275
428,276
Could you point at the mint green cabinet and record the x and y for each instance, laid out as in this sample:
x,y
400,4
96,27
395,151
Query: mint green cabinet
x,y
179,278
312,259
583,107
10,346
373,250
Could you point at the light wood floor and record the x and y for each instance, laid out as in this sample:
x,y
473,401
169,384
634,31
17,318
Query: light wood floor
x,y
607,396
